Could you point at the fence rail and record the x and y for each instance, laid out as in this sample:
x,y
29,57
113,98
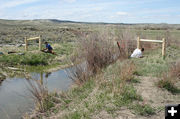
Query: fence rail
x,y
163,41
34,38
148,40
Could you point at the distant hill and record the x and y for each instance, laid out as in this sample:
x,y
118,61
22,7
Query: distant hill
x,y
56,21
52,21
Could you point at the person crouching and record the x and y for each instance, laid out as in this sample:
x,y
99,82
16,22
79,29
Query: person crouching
x,y
48,48
137,53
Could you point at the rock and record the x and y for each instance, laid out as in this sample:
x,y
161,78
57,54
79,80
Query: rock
x,y
19,45
21,53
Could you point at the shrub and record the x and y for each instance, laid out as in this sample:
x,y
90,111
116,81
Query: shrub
x,y
168,85
45,102
40,95
127,42
98,51
78,74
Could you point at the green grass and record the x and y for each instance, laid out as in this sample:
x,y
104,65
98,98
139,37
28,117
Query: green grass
x,y
127,96
27,59
64,49
135,80
107,92
82,92
168,85
75,115
97,95
113,93
144,110
48,103
36,61
153,63
84,107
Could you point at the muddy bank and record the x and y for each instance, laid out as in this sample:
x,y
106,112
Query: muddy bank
x,y
2,77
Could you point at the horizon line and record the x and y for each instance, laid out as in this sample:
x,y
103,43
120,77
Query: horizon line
x,y
74,21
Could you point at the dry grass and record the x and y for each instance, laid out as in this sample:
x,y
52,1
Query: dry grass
x,y
40,95
169,78
127,40
127,71
175,69
99,51
96,51
171,39
78,74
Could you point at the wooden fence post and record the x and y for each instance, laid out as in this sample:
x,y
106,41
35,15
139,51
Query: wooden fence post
x,y
41,78
138,43
26,44
40,43
163,48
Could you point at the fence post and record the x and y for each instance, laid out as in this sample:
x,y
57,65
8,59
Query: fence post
x,y
41,78
40,43
163,48
26,44
138,43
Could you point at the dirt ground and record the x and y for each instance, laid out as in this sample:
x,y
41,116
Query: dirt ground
x,y
151,95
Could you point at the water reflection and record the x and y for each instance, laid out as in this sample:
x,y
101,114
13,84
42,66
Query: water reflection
x,y
14,95
47,74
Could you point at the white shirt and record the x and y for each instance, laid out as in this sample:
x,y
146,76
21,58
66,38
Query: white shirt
x,y
137,53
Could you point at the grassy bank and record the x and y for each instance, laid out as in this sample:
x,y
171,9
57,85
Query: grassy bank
x,y
153,64
107,87
112,90
106,92
34,59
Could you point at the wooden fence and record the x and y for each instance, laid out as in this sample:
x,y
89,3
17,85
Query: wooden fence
x,y
163,41
34,38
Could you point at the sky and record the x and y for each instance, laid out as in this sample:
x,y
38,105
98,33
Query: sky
x,y
110,11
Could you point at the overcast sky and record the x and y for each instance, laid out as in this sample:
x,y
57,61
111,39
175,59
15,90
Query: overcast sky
x,y
114,11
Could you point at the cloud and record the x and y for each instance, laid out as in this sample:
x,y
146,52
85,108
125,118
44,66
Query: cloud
x,y
121,13
14,3
128,11
70,1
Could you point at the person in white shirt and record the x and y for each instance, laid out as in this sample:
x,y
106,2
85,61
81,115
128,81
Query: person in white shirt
x,y
137,53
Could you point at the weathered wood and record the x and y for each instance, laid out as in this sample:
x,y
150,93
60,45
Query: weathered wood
x,y
163,47
41,78
40,43
138,43
35,38
148,40
26,44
